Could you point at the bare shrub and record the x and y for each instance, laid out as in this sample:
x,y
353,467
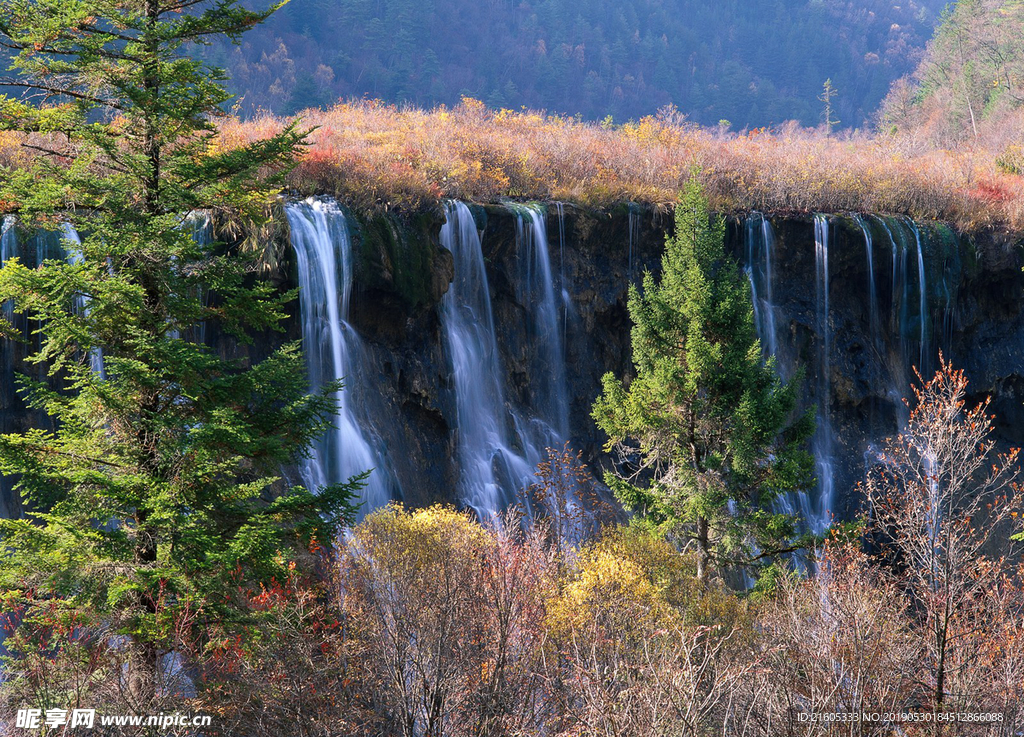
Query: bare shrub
x,y
842,642
941,502
450,616
623,660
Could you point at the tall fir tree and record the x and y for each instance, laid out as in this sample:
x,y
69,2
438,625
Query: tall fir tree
x,y
707,432
158,491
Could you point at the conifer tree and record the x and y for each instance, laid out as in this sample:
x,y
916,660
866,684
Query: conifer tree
x,y
706,430
157,491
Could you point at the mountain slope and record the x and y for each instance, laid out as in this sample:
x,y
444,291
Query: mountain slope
x,y
752,64
970,84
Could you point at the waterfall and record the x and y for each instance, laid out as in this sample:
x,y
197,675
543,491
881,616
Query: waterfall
x,y
319,235
560,210
901,375
545,423
568,309
768,244
760,246
951,275
492,470
819,515
536,290
750,270
9,504
900,297
8,250
499,444
873,327
634,238
73,254
923,297
760,243
200,225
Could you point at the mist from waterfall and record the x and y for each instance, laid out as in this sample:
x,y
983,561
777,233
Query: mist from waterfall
x,y
334,352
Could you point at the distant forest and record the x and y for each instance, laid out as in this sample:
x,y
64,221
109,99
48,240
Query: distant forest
x,y
750,63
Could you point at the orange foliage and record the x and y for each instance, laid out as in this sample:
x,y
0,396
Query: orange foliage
x,y
375,155
378,156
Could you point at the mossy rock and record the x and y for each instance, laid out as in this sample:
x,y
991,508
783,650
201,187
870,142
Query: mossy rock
x,y
399,255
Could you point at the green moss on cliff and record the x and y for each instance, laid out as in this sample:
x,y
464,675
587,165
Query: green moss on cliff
x,y
397,254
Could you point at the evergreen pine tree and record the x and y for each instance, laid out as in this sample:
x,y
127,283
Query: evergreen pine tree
x,y
158,491
706,429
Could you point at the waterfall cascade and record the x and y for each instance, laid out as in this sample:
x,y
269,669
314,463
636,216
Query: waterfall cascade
x,y
9,507
334,352
479,389
760,238
634,237
495,460
545,319
500,445
199,224
922,288
760,246
819,514
897,325
8,249
873,326
498,442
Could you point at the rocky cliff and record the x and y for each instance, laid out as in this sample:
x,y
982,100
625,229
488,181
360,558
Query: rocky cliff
x,y
897,293
876,321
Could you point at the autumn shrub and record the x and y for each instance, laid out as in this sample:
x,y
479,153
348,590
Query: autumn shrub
x,y
376,155
632,651
450,617
1011,161
61,658
427,622
468,629
292,670
841,642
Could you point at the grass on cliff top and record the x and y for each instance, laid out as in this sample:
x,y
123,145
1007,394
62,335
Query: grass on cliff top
x,y
377,156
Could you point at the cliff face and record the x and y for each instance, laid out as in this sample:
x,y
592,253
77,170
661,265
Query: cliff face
x,y
972,310
876,326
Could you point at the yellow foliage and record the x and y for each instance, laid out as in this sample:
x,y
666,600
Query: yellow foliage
x,y
403,544
611,594
675,576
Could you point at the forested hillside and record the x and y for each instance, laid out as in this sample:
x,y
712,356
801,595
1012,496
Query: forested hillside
x,y
971,80
753,64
